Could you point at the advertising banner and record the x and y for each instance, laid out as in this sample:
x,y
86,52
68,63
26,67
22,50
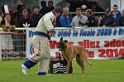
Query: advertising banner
x,y
101,43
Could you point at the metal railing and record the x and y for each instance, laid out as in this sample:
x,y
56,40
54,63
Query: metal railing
x,y
95,13
13,44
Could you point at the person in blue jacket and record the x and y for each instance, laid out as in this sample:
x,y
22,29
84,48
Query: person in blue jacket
x,y
44,9
65,19
117,14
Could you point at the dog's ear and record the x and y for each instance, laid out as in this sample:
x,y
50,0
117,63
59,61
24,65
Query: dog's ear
x,y
65,41
61,39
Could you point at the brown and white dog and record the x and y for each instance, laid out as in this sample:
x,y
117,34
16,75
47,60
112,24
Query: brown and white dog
x,y
69,52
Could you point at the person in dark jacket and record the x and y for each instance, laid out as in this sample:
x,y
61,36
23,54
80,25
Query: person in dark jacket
x,y
50,5
121,21
25,19
108,19
96,8
91,18
117,14
36,15
18,14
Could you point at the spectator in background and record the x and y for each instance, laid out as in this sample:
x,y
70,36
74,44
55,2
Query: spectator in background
x,y
44,9
29,11
50,5
36,15
121,21
96,8
79,20
25,19
7,43
117,14
11,11
108,20
91,19
65,19
18,13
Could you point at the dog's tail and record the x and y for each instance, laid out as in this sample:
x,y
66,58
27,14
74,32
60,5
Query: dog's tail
x,y
87,61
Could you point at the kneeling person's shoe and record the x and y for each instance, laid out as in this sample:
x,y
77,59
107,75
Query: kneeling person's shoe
x,y
24,69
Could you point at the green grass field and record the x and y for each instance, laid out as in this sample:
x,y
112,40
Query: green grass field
x,y
102,71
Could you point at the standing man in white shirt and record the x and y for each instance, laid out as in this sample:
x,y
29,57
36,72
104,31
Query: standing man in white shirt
x,y
41,43
79,20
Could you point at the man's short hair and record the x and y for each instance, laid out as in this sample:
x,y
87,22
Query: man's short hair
x,y
50,2
43,2
57,9
107,10
24,10
65,8
78,9
89,11
35,7
115,5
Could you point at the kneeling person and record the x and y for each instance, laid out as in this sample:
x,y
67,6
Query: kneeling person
x,y
41,43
